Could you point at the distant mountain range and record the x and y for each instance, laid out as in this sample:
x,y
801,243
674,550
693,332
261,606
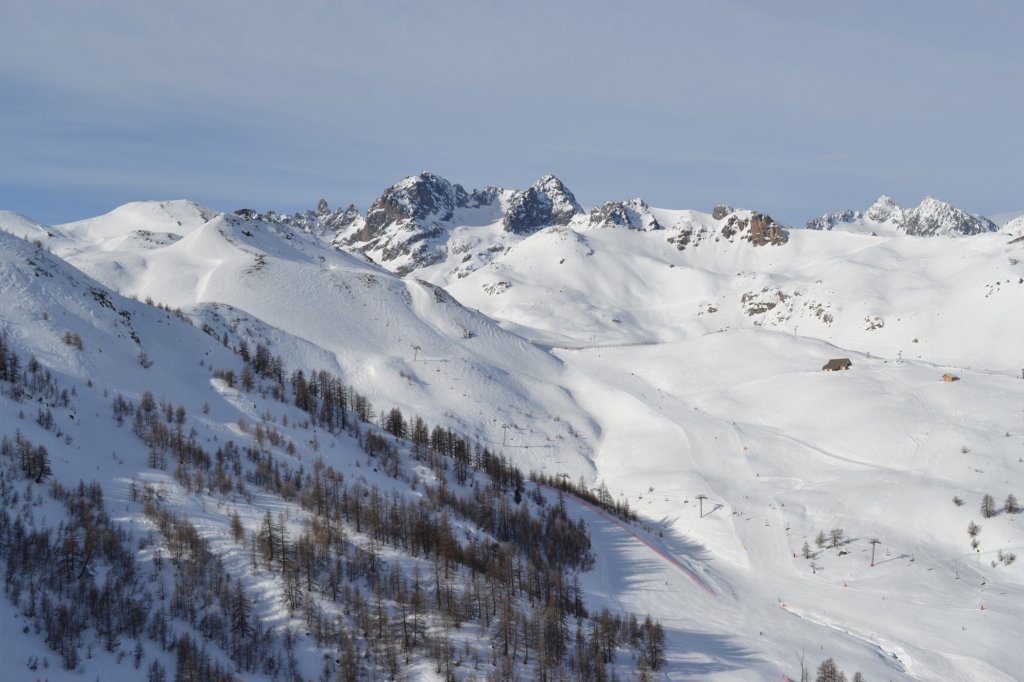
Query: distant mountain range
x,y
929,218
409,226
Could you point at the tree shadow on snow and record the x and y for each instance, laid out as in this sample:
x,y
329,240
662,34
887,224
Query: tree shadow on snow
x,y
671,573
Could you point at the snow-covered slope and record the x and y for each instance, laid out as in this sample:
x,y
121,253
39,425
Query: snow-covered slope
x,y
147,501
394,339
783,451
45,297
882,295
674,356
142,219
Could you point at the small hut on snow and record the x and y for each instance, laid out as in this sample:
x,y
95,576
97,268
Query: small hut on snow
x,y
837,364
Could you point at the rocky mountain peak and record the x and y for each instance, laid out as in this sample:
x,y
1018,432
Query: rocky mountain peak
x,y
830,220
633,214
883,209
934,217
319,221
424,198
350,215
757,228
930,217
547,202
480,198
1014,227
339,220
721,211
551,185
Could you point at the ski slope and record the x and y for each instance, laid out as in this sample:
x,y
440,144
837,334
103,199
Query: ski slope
x,y
612,355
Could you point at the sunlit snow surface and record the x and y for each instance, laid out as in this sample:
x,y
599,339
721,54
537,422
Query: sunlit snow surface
x,y
613,355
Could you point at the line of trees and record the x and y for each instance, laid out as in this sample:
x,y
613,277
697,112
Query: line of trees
x,y
20,380
516,578
517,574
828,671
50,572
483,550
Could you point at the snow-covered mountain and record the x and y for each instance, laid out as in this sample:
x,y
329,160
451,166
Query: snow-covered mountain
x,y
546,202
661,358
425,220
634,214
929,218
384,333
155,498
409,225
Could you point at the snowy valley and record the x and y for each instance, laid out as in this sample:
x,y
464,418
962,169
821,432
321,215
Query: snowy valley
x,y
491,434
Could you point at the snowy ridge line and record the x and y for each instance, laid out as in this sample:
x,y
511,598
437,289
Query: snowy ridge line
x,y
632,531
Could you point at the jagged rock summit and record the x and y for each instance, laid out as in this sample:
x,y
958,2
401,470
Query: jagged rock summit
x,y
934,217
424,201
321,221
930,218
729,224
425,220
633,214
547,202
883,209
721,211
757,228
408,226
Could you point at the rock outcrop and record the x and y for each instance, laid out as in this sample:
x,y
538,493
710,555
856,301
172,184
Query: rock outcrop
x,y
421,202
548,202
633,214
757,228
721,211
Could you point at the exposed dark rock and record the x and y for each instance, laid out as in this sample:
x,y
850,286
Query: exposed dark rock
x,y
420,199
340,220
827,222
758,229
681,239
634,214
721,211
480,198
547,202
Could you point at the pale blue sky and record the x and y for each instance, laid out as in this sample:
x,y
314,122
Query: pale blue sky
x,y
794,108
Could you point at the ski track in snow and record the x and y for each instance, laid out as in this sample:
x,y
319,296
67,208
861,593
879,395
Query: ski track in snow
x,y
639,536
